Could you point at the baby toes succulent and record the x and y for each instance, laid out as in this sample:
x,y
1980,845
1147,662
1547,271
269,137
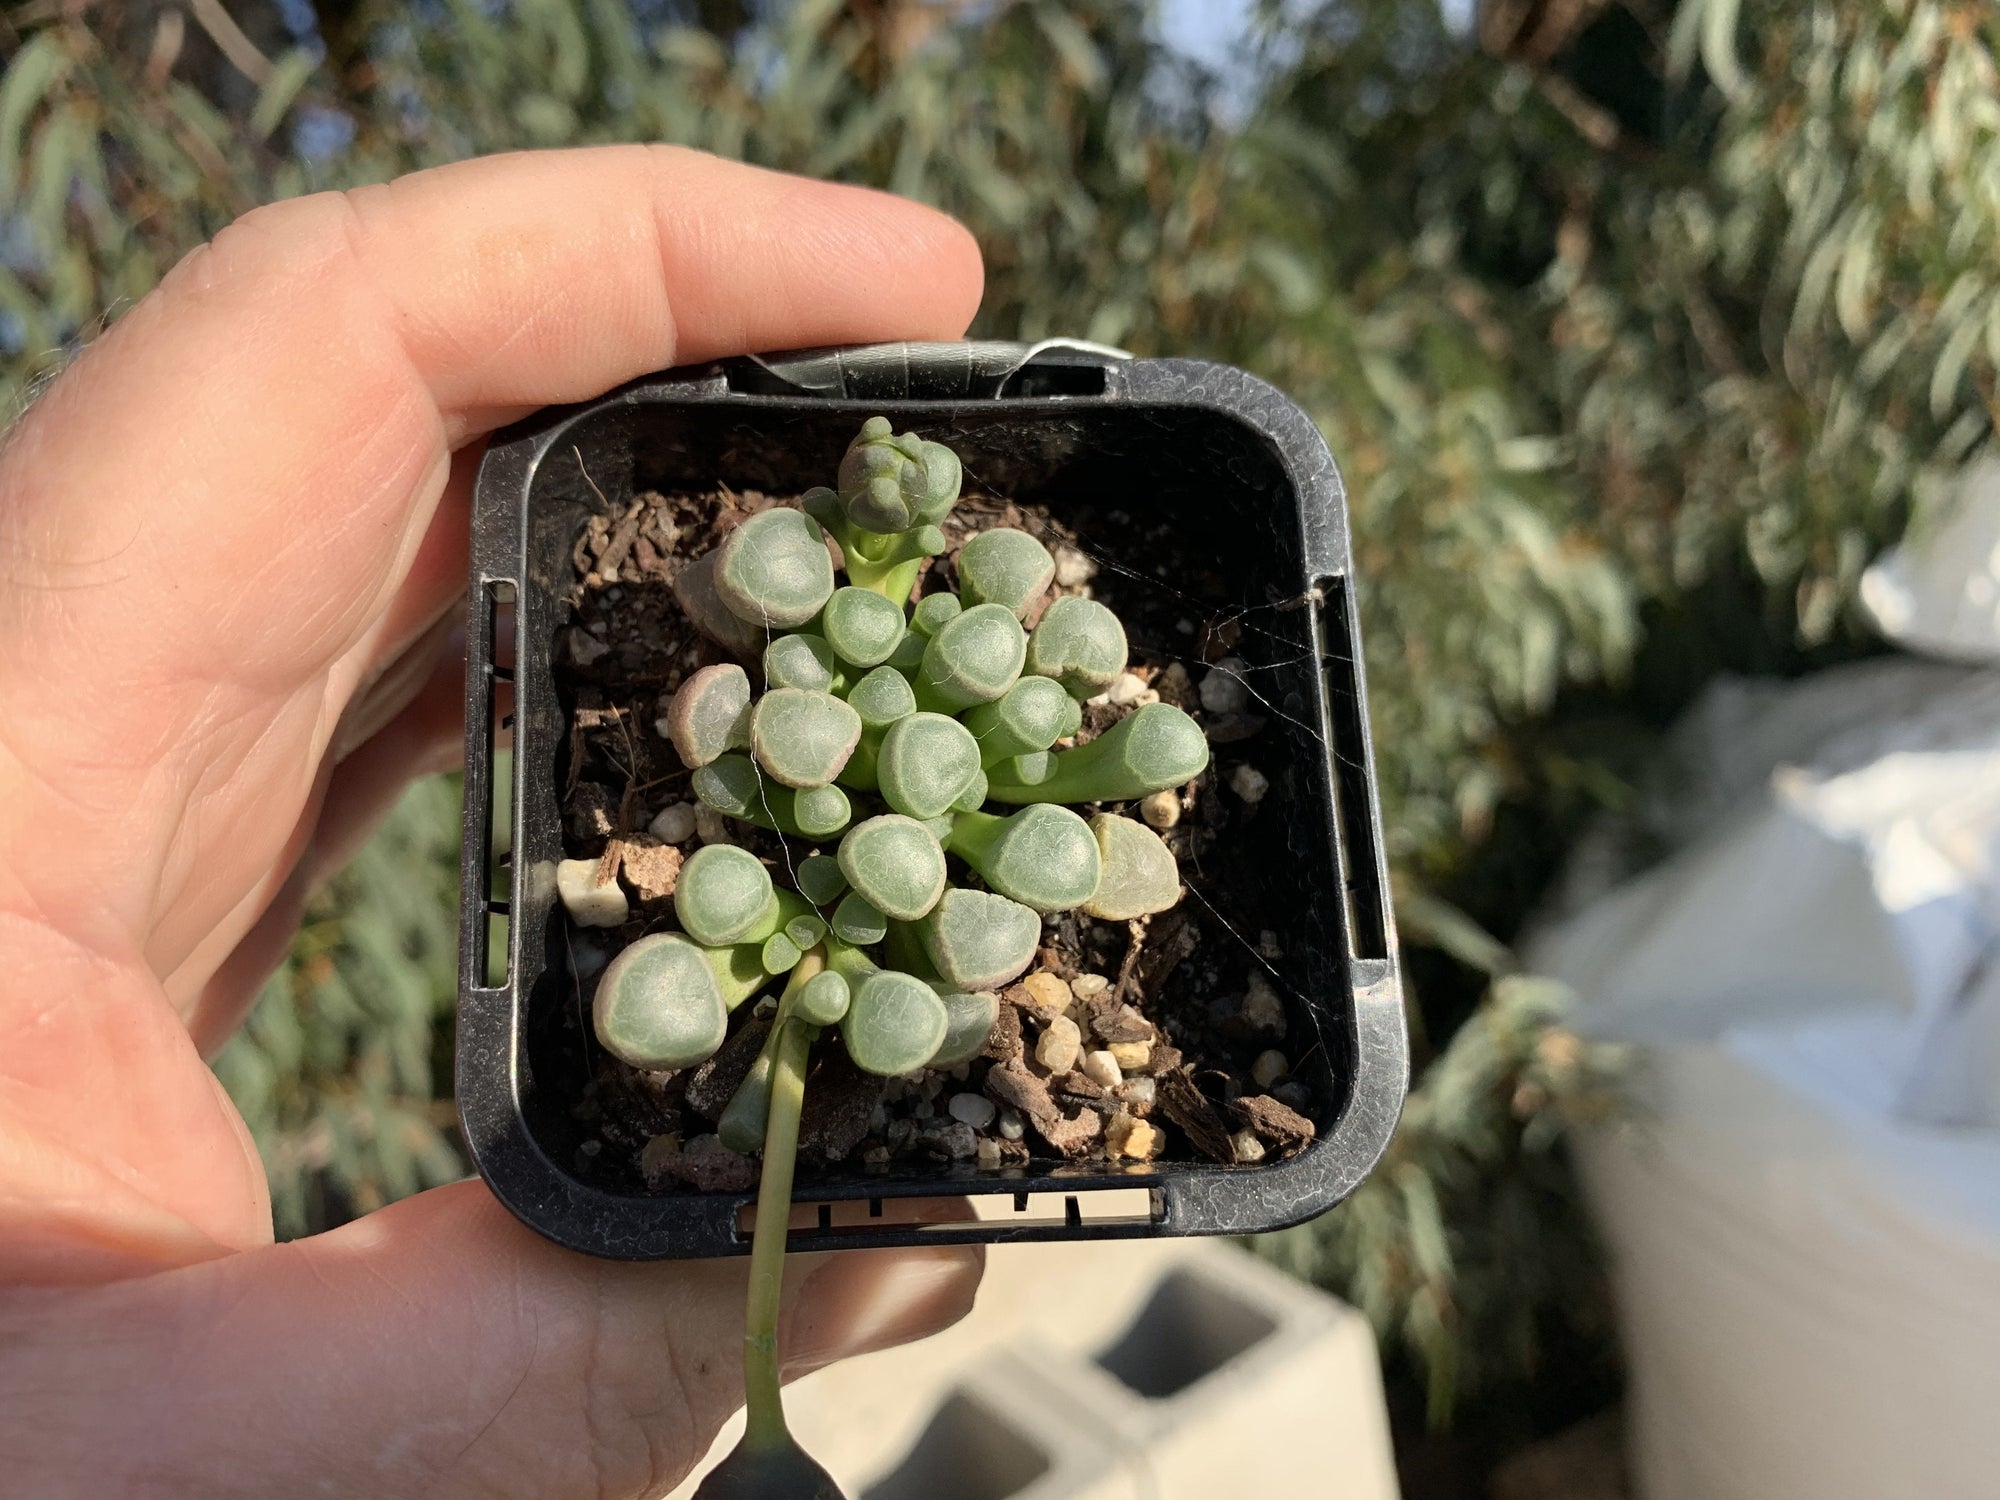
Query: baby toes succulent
x,y
1080,644
774,569
904,925
803,738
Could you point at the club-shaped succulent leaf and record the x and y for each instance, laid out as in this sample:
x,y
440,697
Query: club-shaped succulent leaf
x,y
774,569
780,955
885,564
1139,874
969,1018
891,483
695,592
935,611
709,714
741,1125
802,738
802,660
882,697
978,939
1005,567
894,1023
658,1004
974,796
739,968
1031,715
1043,856
733,786
806,931
858,922
974,658
861,626
894,864
1151,749
724,895
926,763
822,1000
820,880
1080,644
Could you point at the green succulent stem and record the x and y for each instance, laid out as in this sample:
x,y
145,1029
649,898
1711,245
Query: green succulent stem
x,y
791,1041
886,563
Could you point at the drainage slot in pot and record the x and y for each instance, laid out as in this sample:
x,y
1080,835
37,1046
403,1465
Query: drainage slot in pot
x,y
1360,868
1188,1329
901,1216
967,1452
496,781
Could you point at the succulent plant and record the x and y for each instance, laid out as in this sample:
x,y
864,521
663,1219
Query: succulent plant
x,y
1008,568
1155,747
946,719
1080,644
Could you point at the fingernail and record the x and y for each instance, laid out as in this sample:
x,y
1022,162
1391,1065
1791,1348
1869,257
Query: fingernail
x,y
859,1301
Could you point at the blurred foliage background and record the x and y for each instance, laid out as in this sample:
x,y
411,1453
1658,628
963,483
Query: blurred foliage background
x,y
1638,327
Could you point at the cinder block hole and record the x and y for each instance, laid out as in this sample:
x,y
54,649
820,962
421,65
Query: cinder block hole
x,y
1188,1328
966,1453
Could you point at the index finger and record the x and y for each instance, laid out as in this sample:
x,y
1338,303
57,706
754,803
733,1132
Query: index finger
x,y
224,504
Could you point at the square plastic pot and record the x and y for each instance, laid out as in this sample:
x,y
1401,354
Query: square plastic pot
x,y
1223,454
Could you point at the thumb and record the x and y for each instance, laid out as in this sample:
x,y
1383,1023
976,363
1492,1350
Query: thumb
x,y
437,1348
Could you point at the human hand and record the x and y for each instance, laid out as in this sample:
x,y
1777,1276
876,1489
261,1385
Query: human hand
x,y
232,545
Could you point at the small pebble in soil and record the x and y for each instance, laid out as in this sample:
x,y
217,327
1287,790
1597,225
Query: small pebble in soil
x,y
876,1156
1129,688
1269,1068
958,1141
585,648
675,823
1102,1069
1073,569
1184,626
923,1109
1247,1147
1084,986
1140,1093
975,1110
1132,1057
1050,995
1262,1010
592,897
710,826
1010,1126
1249,783
1223,690
1268,945
1059,1045
989,1154
1162,809
1132,1138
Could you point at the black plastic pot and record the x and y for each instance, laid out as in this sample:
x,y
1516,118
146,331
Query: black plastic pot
x,y
1061,424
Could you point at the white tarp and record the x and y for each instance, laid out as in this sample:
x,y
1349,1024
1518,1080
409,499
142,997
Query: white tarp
x,y
1801,927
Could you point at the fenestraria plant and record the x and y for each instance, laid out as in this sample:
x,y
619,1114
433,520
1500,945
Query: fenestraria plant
x,y
950,717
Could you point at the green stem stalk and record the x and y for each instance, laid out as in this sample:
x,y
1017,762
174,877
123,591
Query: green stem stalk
x,y
764,1405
